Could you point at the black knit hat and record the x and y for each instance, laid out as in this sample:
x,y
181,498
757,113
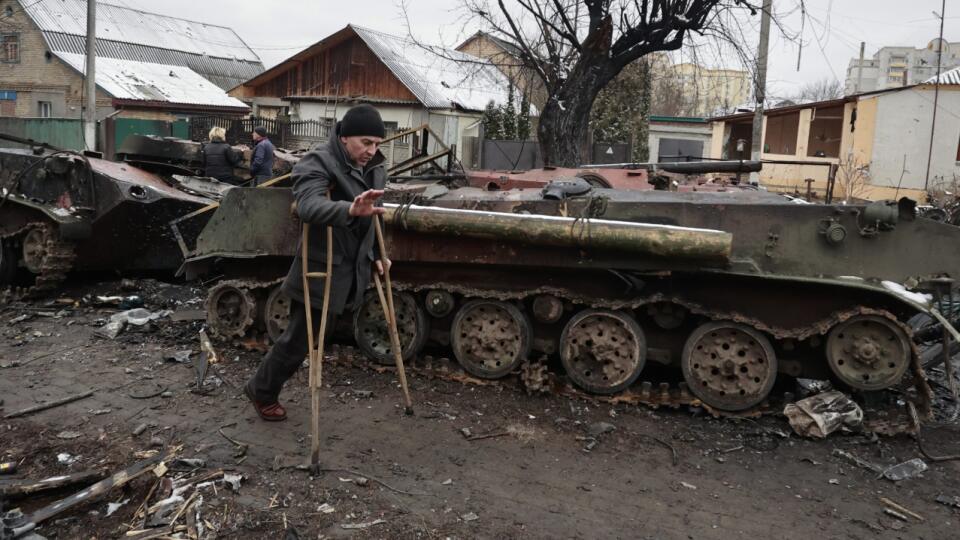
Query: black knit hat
x,y
361,120
260,130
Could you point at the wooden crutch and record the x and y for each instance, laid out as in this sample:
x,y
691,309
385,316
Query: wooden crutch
x,y
390,315
316,354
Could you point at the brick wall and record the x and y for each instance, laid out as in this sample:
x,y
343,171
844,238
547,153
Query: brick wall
x,y
39,76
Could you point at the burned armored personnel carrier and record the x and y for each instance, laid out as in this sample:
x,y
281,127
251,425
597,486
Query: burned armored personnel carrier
x,y
62,210
732,290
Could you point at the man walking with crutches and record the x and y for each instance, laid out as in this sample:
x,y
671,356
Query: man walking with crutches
x,y
352,169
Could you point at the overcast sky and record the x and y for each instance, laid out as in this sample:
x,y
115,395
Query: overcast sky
x,y
832,30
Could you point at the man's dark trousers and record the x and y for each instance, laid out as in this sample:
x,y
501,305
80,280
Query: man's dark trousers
x,y
288,353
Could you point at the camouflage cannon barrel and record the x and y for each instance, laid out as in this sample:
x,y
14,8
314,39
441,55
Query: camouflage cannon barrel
x,y
596,234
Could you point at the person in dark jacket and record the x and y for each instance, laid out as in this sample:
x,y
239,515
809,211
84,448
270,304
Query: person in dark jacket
x,y
261,162
219,158
352,168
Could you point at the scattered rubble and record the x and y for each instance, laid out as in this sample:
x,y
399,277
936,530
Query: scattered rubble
x,y
906,470
820,415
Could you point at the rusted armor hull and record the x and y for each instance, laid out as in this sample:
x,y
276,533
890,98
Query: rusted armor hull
x,y
807,290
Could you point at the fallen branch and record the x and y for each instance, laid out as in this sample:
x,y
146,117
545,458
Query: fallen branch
x,y
27,487
143,505
901,509
489,435
673,451
377,480
49,405
97,490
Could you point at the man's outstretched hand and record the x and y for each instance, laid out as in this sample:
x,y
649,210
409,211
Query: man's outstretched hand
x,y
363,204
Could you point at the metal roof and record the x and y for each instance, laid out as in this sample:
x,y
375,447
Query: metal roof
x,y
142,81
951,76
216,52
440,78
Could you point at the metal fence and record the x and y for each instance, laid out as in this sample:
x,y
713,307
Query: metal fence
x,y
60,132
299,135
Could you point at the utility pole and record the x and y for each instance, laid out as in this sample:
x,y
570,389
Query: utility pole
x,y
760,87
936,93
856,89
90,83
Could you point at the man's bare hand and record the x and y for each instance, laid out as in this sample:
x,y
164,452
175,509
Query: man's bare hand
x,y
363,204
378,266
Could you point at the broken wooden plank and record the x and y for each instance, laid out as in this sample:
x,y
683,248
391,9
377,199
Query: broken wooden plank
x,y
100,488
49,405
22,488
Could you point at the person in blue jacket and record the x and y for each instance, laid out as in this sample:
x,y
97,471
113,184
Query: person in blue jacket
x,y
261,163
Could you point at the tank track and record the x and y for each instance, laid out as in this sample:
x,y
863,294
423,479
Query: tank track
x,y
537,379
57,261
252,287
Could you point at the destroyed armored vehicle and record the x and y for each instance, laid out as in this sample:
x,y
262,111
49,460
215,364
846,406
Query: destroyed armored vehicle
x,y
62,210
731,290
170,155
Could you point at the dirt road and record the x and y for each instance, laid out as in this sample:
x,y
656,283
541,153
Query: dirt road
x,y
552,467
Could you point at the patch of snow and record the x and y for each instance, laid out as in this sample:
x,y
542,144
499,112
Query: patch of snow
x,y
126,79
900,290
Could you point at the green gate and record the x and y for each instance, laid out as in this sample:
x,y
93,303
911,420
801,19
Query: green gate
x,y
124,127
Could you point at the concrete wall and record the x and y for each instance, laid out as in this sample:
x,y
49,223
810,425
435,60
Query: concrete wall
x,y
679,130
902,137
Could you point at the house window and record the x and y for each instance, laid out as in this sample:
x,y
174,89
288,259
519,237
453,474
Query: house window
x,y
826,128
8,11
45,109
10,52
8,103
781,136
390,128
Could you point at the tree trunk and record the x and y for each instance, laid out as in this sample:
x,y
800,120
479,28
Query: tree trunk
x,y
565,121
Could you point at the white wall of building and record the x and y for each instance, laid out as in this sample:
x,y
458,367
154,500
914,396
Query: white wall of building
x,y
670,130
902,135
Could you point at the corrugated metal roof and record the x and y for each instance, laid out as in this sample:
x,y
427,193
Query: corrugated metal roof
x,y
128,25
143,81
224,72
947,77
440,78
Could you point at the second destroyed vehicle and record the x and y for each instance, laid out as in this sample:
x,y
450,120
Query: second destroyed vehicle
x,y
730,290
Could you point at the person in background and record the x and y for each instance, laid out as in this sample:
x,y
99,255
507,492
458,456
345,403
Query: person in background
x,y
261,162
219,158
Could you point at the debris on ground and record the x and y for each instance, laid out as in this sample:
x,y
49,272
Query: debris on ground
x,y
49,405
180,357
948,500
902,509
822,414
862,463
364,525
906,470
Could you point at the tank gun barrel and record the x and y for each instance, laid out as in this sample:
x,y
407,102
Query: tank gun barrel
x,y
598,234
687,167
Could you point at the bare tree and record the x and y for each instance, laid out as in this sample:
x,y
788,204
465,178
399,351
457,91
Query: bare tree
x,y
576,47
853,176
822,90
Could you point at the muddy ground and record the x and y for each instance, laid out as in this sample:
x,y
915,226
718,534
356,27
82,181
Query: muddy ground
x,y
553,467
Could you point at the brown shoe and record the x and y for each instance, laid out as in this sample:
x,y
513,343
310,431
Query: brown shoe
x,y
270,412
